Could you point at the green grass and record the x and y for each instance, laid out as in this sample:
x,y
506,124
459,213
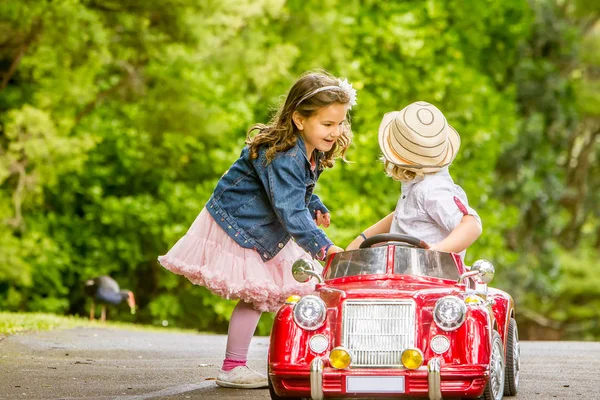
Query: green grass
x,y
14,323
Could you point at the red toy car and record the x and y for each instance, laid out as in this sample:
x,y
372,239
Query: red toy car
x,y
395,320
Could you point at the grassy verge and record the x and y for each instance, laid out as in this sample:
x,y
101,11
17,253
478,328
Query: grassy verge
x,y
12,323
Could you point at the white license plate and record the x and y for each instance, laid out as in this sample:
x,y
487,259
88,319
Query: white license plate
x,y
375,384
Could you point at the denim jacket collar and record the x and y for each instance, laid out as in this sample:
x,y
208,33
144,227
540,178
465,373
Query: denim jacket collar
x,y
302,145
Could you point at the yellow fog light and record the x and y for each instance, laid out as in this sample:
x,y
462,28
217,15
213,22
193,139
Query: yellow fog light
x,y
412,358
473,300
340,358
293,299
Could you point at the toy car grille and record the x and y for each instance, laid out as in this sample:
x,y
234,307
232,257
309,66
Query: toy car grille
x,y
376,332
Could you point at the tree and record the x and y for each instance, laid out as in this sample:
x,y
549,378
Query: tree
x,y
118,118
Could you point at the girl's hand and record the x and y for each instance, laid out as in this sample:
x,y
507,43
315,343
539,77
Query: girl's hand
x,y
322,219
332,250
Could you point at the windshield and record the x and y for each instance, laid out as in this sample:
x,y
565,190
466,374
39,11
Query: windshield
x,y
407,261
420,262
358,262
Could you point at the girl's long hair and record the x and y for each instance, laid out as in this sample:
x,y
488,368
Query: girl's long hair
x,y
280,133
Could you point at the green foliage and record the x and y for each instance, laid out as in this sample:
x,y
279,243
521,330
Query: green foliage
x,y
118,118
549,170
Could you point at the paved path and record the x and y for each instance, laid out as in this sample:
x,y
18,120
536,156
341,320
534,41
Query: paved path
x,y
85,363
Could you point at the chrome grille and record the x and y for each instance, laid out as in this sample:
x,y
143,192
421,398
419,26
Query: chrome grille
x,y
376,332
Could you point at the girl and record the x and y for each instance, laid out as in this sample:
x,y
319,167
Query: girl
x,y
239,246
418,145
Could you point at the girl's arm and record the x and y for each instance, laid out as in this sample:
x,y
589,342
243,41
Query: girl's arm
x,y
382,226
315,205
465,233
285,184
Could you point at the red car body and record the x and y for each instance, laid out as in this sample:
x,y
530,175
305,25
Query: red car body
x,y
379,302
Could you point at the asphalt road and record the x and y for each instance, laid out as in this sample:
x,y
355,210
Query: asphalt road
x,y
126,365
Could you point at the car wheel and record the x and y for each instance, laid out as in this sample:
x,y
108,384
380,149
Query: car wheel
x,y
513,359
494,390
275,396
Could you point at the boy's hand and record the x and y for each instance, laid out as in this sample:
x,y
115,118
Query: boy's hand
x,y
355,243
322,219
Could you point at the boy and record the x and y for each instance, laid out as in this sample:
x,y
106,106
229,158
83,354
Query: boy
x,y
418,145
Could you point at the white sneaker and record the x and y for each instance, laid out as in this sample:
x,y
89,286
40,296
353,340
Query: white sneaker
x,y
242,378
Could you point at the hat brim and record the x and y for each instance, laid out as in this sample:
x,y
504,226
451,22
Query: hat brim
x,y
397,159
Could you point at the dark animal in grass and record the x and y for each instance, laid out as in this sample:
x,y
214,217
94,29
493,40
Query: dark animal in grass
x,y
105,290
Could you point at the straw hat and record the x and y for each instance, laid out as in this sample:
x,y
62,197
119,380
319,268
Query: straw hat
x,y
418,137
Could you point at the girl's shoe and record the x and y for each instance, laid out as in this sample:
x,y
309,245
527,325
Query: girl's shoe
x,y
242,378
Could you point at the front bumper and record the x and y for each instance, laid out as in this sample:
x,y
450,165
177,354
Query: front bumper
x,y
433,381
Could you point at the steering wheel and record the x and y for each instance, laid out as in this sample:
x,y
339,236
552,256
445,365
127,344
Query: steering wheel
x,y
393,237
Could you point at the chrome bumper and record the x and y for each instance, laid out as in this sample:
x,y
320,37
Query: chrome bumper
x,y
434,380
316,379
433,377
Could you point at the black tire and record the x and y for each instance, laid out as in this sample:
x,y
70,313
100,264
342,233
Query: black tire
x,y
275,396
494,390
513,360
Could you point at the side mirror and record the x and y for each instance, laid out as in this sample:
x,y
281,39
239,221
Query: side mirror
x,y
485,270
303,270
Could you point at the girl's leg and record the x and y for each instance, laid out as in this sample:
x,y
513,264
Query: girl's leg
x,y
241,329
235,373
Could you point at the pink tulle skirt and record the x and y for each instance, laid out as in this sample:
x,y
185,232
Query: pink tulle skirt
x,y
207,256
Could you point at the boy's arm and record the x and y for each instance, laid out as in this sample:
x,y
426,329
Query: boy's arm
x,y
465,233
449,207
382,226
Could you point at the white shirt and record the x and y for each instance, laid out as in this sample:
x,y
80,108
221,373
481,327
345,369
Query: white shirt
x,y
431,207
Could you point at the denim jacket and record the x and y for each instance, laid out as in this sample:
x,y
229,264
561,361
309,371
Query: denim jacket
x,y
262,205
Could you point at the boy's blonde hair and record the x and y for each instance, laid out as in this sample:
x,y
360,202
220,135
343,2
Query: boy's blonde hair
x,y
399,173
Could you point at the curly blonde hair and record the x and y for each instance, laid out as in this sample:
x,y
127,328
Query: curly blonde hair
x,y
400,173
280,134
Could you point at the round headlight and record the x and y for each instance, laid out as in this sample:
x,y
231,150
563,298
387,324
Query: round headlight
x,y
310,313
318,343
449,313
440,344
